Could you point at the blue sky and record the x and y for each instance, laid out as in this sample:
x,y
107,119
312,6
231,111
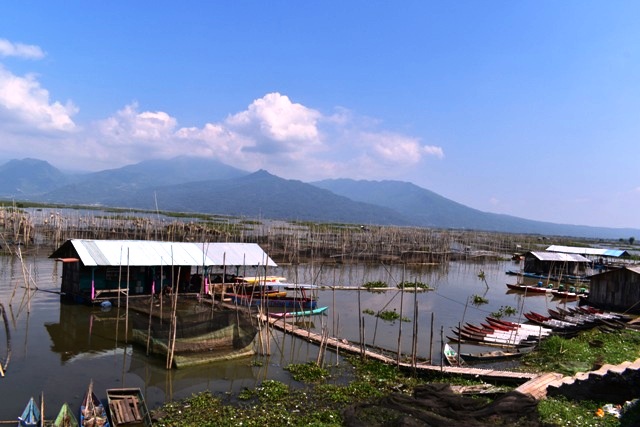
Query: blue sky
x,y
526,108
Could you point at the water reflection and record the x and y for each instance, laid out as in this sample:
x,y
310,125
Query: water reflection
x,y
57,348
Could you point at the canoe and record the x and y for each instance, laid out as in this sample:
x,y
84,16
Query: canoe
x,y
277,301
92,411
528,289
304,313
496,355
65,417
451,356
128,408
30,416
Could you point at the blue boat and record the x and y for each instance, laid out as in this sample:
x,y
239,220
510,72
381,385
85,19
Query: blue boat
x,y
30,416
304,313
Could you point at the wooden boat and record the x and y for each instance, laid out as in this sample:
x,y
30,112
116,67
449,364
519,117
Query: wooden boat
x,y
484,343
496,355
30,416
65,417
92,411
528,289
260,279
304,313
565,295
128,408
488,339
451,356
533,329
294,303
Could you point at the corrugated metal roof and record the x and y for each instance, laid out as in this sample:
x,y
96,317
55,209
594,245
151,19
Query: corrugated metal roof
x,y
634,268
617,253
147,253
559,257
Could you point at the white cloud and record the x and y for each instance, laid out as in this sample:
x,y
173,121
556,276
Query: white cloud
x,y
24,104
277,125
129,126
397,149
20,50
287,138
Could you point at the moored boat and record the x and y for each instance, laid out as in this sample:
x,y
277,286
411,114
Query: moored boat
x,y
127,407
92,411
65,417
304,313
451,356
528,289
30,416
496,355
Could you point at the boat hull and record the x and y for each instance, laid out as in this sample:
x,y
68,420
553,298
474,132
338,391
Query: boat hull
x,y
127,407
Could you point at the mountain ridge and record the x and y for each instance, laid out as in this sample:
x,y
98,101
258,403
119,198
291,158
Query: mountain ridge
x,y
187,184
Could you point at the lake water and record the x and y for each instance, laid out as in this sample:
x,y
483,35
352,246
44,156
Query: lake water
x,y
57,348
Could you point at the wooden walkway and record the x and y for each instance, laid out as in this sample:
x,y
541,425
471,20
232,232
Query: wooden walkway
x,y
347,347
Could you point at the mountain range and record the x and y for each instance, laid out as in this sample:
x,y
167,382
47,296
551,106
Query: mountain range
x,y
186,184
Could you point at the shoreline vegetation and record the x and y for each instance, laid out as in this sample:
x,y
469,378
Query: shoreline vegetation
x,y
320,397
319,400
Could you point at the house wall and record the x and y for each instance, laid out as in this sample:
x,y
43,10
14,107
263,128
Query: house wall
x,y
616,290
77,279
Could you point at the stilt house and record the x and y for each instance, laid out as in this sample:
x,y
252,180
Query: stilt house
x,y
555,264
617,290
96,270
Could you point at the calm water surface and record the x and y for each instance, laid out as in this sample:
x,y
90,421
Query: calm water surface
x,y
57,348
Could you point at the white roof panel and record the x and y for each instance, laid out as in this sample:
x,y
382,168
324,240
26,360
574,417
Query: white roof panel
x,y
146,253
587,251
559,257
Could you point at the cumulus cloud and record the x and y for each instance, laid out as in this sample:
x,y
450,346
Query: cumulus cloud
x,y
398,149
277,125
20,50
287,138
24,104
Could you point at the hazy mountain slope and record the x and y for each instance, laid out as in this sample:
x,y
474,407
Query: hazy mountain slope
x,y
20,178
96,188
428,209
260,195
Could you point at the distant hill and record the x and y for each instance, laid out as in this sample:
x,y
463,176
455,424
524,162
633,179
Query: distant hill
x,y
106,186
186,184
21,178
260,195
425,208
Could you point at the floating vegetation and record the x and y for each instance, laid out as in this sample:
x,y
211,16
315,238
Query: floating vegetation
x,y
308,372
477,300
413,285
375,285
504,311
391,316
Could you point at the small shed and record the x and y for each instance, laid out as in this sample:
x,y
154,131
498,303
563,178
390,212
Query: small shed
x,y
616,289
601,258
95,270
555,264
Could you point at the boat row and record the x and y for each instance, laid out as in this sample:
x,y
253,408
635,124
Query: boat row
x,y
500,333
568,320
125,407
